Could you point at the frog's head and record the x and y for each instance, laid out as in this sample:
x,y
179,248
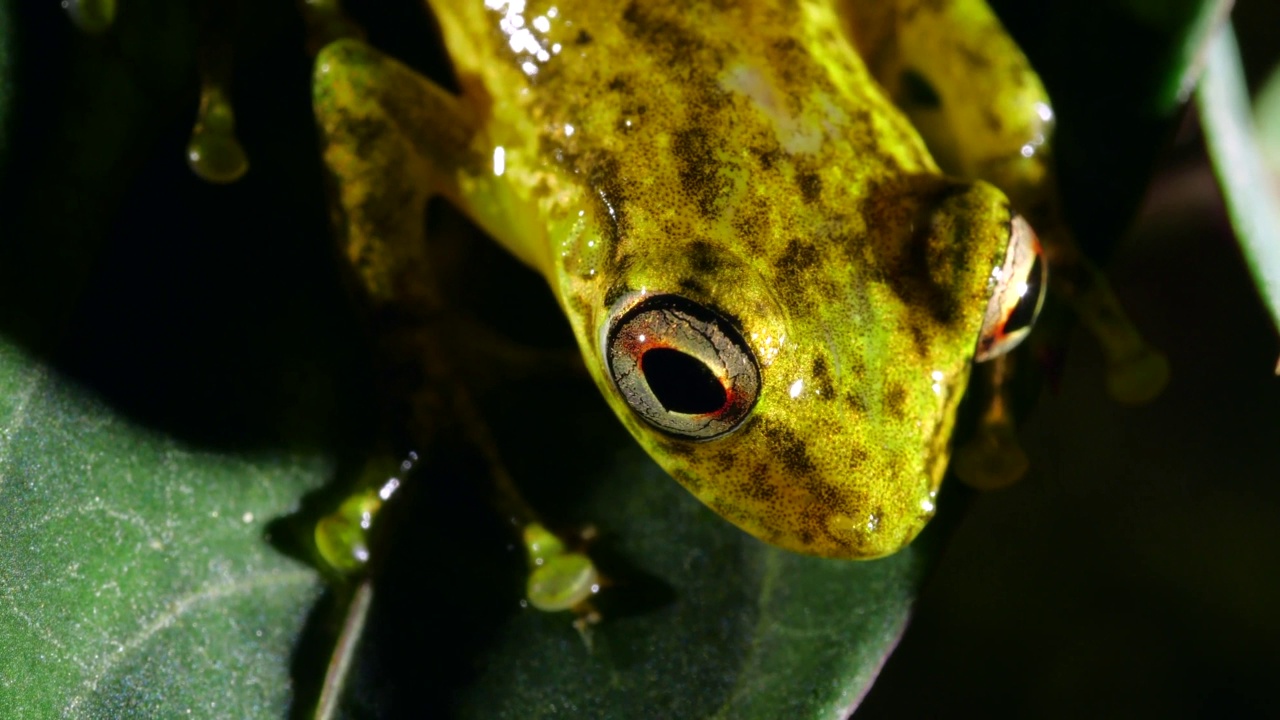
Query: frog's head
x,y
808,393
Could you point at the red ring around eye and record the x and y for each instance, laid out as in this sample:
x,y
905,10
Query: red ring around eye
x,y
682,368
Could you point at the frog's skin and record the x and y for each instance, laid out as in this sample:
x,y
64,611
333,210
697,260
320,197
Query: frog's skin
x,y
737,155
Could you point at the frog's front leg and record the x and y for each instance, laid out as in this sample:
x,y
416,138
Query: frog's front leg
x,y
393,140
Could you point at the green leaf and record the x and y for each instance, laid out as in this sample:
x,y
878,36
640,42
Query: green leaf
x,y
1251,192
753,632
200,327
134,577
1267,116
701,620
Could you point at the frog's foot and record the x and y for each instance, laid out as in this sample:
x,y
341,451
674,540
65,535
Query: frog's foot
x,y
993,458
343,537
562,579
1136,372
1139,378
214,153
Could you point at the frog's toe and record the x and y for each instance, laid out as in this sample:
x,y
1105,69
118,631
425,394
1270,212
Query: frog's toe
x,y
993,459
216,156
563,582
342,537
1139,378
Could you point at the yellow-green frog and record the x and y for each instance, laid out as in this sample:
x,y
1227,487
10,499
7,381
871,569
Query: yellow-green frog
x,y
771,281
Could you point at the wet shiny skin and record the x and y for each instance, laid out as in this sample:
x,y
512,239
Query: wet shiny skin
x,y
743,159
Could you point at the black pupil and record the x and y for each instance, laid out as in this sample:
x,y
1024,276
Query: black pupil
x,y
682,383
1024,313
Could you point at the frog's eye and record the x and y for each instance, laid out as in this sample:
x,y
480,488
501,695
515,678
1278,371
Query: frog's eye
x,y
682,367
1019,291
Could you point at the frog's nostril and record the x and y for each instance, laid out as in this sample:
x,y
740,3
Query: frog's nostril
x,y
682,383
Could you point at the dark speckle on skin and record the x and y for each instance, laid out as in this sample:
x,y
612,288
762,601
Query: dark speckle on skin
x,y
913,276
674,42
687,479
822,378
604,176
751,226
919,337
700,174
895,401
786,44
789,449
728,510
703,258
797,258
677,449
757,487
817,518
794,266
726,458
768,157
578,305
917,262
584,38
857,457
810,186
995,123
856,404
828,496
691,286
617,265
615,293
976,60
747,227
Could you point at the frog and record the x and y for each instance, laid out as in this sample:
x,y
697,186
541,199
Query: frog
x,y
771,280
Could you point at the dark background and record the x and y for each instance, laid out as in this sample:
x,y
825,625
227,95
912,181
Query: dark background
x,y
1133,571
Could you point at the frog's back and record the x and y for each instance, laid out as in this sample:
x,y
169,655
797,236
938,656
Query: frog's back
x,y
577,93
558,49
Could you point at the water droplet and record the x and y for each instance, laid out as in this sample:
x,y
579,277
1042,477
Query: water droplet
x,y
499,161
214,153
